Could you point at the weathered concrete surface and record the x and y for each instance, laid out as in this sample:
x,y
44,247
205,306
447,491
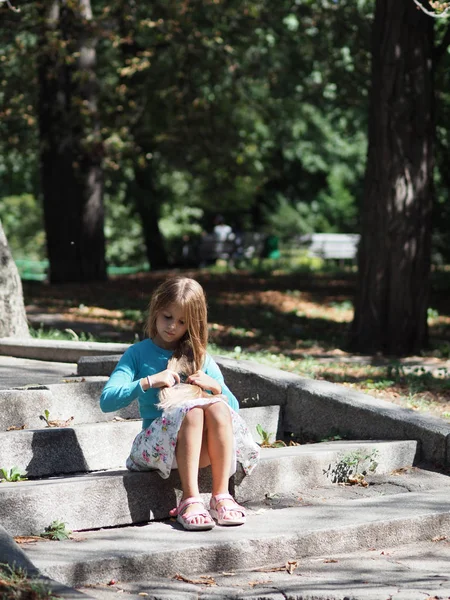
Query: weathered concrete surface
x,y
270,537
406,572
19,372
79,400
95,446
316,408
97,365
114,498
291,470
57,450
56,350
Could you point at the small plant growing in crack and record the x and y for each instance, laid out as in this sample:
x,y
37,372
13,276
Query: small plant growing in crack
x,y
57,530
353,468
12,475
266,437
54,423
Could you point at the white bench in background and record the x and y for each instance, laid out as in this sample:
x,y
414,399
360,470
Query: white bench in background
x,y
336,246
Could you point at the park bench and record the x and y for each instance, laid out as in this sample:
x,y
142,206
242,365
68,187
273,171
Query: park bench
x,y
330,246
247,245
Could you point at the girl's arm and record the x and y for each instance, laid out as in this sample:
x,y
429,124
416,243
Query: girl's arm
x,y
122,387
212,369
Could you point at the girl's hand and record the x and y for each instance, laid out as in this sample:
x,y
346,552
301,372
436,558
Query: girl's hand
x,y
162,379
204,381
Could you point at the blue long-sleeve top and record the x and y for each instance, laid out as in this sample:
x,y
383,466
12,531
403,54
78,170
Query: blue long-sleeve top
x,y
140,360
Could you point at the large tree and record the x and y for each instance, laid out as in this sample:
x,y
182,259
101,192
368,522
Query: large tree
x,y
13,321
394,256
70,145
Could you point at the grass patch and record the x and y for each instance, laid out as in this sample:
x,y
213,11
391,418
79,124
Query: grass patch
x,y
16,585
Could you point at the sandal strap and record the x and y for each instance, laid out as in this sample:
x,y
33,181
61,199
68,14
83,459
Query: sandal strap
x,y
219,497
184,504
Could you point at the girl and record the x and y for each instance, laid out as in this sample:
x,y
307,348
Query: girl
x,y
190,417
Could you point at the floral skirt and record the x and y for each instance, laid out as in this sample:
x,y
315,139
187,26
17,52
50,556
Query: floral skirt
x,y
154,447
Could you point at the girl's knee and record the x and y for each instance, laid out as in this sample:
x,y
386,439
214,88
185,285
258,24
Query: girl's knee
x,y
217,414
195,417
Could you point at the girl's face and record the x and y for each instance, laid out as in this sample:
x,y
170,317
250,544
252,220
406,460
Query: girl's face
x,y
170,327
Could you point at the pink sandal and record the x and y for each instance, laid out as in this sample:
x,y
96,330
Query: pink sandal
x,y
187,520
220,513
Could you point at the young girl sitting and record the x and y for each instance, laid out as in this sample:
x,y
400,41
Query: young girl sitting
x,y
190,417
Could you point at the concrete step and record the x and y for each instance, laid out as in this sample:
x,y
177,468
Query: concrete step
x,y
405,572
94,446
270,537
112,498
58,350
76,398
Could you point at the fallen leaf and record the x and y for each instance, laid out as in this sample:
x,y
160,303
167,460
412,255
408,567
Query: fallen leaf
x,y
439,538
203,580
330,560
142,594
291,565
253,583
60,423
29,539
15,427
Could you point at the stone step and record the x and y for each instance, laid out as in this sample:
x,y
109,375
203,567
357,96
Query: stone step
x,y
111,498
94,446
77,399
270,537
58,350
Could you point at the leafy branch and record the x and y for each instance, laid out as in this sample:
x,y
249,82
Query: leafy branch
x,y
441,9
9,5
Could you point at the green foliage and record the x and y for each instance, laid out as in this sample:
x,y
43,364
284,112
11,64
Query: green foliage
x,y
15,584
252,109
266,439
57,530
123,230
22,220
12,474
56,334
360,462
45,417
353,468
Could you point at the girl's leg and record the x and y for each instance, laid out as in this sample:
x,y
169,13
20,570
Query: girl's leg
x,y
219,443
187,452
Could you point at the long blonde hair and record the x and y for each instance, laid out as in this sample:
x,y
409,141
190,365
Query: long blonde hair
x,y
188,294
171,397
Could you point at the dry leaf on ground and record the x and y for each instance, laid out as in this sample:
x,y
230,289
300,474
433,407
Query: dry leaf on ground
x,y
29,539
254,583
203,579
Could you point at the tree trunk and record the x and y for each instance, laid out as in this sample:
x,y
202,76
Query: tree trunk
x,y
71,149
143,193
394,256
13,320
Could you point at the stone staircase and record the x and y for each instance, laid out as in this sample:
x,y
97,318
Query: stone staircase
x,y
298,503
